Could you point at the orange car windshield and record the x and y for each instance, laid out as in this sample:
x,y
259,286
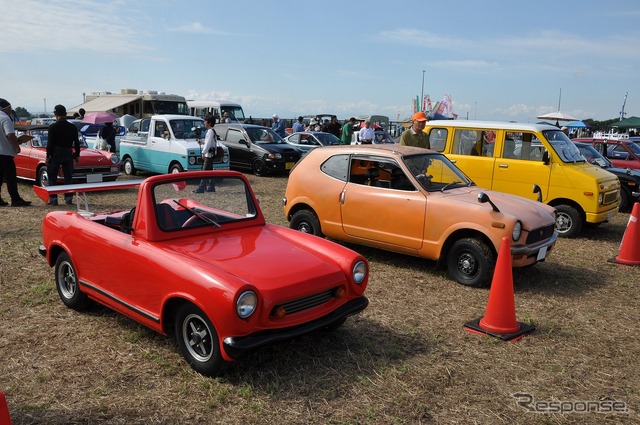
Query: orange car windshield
x,y
436,172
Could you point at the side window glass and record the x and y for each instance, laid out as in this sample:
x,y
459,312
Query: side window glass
x,y
160,128
361,171
468,142
337,167
385,174
438,139
522,145
488,143
234,136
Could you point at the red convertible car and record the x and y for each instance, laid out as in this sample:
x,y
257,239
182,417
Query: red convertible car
x,y
205,265
94,165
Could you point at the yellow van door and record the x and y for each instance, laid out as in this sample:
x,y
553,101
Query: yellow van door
x,y
519,165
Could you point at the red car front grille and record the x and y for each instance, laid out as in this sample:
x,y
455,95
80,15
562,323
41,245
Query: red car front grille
x,y
305,303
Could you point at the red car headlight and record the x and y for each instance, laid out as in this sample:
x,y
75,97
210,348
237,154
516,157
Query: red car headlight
x,y
246,304
359,272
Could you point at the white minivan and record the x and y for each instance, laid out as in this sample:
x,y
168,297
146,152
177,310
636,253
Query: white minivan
x,y
201,108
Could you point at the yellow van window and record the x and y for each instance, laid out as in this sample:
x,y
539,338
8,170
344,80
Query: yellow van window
x,y
438,138
473,142
525,146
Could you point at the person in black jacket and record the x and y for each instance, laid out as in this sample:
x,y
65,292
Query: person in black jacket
x,y
63,148
108,133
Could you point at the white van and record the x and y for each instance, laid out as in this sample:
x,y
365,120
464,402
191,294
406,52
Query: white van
x,y
201,108
166,144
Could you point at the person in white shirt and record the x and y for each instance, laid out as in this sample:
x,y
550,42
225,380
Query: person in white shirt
x,y
9,147
208,154
366,134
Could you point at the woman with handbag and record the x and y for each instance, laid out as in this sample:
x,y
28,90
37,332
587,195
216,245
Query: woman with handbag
x,y
108,134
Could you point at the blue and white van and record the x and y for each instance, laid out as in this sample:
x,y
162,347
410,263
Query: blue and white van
x,y
166,144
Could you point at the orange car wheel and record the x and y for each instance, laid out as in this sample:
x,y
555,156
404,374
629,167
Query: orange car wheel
x,y
306,221
470,262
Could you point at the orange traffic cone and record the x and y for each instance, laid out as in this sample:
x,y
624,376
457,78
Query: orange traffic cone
x,y
5,419
630,245
500,317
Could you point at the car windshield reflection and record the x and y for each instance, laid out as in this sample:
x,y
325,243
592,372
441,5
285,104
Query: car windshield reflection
x,y
41,138
188,128
564,147
213,202
264,136
436,172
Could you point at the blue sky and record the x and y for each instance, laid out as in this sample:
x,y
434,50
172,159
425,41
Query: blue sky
x,y
498,60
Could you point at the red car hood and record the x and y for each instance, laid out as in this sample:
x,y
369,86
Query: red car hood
x,y
93,156
255,255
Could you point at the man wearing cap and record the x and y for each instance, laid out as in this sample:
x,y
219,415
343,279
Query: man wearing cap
x,y
63,140
9,147
278,126
366,134
347,131
415,136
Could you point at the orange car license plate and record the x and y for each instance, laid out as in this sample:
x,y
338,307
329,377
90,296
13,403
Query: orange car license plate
x,y
542,253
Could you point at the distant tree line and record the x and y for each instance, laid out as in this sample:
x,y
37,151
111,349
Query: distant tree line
x,y
23,113
600,125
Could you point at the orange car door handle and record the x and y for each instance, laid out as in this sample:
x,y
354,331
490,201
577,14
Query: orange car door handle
x,y
342,194
503,165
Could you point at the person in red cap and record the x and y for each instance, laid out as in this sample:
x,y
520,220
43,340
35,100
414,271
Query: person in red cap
x,y
415,136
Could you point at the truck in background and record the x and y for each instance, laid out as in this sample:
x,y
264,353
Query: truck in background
x,y
140,104
166,144
201,108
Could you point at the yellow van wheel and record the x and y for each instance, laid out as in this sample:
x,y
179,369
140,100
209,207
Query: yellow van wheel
x,y
568,221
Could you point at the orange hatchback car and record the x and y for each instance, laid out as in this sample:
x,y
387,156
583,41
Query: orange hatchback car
x,y
415,201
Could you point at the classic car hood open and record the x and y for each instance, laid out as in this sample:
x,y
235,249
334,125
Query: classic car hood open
x,y
628,171
93,155
537,213
264,251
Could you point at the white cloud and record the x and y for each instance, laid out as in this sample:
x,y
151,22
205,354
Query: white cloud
x,y
194,28
89,25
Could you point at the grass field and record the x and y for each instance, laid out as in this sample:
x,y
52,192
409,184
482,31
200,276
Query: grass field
x,y
405,360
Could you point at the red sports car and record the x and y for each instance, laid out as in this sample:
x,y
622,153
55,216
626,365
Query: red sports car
x,y
94,165
195,256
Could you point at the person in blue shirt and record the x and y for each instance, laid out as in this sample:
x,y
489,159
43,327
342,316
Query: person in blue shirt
x,y
298,125
278,126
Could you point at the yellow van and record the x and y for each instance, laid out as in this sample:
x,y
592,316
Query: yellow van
x,y
513,157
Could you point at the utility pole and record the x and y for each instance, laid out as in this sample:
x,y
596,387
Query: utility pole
x,y
420,108
622,112
559,99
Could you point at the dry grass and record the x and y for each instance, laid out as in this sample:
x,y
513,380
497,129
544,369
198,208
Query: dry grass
x,y
406,359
